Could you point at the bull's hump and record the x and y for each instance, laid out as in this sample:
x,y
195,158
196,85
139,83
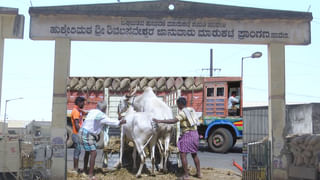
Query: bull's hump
x,y
148,92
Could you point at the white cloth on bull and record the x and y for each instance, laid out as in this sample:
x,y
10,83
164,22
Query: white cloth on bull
x,y
191,116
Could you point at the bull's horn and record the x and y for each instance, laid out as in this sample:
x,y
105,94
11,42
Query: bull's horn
x,y
133,91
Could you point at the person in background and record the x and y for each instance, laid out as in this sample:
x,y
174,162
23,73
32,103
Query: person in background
x,y
232,102
189,139
77,120
89,131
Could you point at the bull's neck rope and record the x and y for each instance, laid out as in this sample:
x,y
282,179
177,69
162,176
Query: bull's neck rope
x,y
127,107
131,103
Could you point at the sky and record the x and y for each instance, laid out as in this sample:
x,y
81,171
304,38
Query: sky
x,y
28,64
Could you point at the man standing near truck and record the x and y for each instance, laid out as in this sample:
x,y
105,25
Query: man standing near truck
x,y
77,120
189,139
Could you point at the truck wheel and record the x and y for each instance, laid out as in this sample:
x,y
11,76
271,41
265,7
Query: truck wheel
x,y
220,140
69,137
100,141
234,142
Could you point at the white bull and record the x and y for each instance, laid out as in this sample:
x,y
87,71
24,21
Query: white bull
x,y
138,128
149,102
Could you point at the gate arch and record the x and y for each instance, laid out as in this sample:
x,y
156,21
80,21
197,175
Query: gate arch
x,y
171,21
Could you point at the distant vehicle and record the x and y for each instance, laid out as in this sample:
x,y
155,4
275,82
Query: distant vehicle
x,y
207,95
220,127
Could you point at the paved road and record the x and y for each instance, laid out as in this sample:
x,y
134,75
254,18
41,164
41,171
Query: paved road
x,y
207,159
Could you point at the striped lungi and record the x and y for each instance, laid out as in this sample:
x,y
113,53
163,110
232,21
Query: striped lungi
x,y
189,142
88,141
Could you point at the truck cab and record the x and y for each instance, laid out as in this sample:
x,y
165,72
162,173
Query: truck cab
x,y
221,125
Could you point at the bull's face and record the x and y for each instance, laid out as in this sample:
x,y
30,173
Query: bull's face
x,y
127,101
123,106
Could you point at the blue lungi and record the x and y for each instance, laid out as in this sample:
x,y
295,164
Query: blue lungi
x,y
88,141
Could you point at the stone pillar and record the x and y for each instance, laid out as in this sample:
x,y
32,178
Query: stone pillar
x,y
1,58
59,108
276,114
11,26
3,128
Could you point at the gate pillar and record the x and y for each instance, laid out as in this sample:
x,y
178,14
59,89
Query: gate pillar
x,y
276,114
59,108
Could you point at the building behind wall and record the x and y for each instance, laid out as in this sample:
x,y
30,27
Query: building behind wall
x,y
302,124
1,127
39,128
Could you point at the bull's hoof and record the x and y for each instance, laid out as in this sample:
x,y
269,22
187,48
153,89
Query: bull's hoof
x,y
138,176
134,170
118,165
153,174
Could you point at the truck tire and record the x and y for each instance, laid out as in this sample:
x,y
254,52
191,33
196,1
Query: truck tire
x,y
220,140
100,140
234,142
69,137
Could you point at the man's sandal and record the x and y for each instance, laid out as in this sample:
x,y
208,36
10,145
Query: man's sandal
x,y
199,176
184,178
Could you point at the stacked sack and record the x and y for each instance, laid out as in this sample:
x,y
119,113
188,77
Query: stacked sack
x,y
305,149
127,83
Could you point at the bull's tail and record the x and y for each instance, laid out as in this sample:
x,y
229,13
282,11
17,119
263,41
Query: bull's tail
x,y
160,145
147,141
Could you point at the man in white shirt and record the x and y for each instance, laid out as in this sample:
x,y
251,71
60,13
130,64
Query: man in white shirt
x,y
232,101
90,129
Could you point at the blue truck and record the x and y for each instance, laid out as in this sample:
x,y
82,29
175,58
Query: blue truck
x,y
219,126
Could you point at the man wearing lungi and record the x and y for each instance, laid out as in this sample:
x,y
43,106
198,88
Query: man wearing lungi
x,y
189,139
89,131
77,115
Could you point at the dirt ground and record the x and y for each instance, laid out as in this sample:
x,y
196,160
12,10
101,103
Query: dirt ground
x,y
124,174
127,174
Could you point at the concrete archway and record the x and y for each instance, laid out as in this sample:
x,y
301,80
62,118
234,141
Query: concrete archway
x,y
171,21
11,27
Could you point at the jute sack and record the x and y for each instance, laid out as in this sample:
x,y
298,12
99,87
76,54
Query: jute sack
x,y
81,84
125,84
143,83
74,82
198,88
115,83
198,81
98,85
315,139
84,88
155,89
107,82
68,82
188,82
161,81
134,83
170,83
178,83
152,82
163,88
90,83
